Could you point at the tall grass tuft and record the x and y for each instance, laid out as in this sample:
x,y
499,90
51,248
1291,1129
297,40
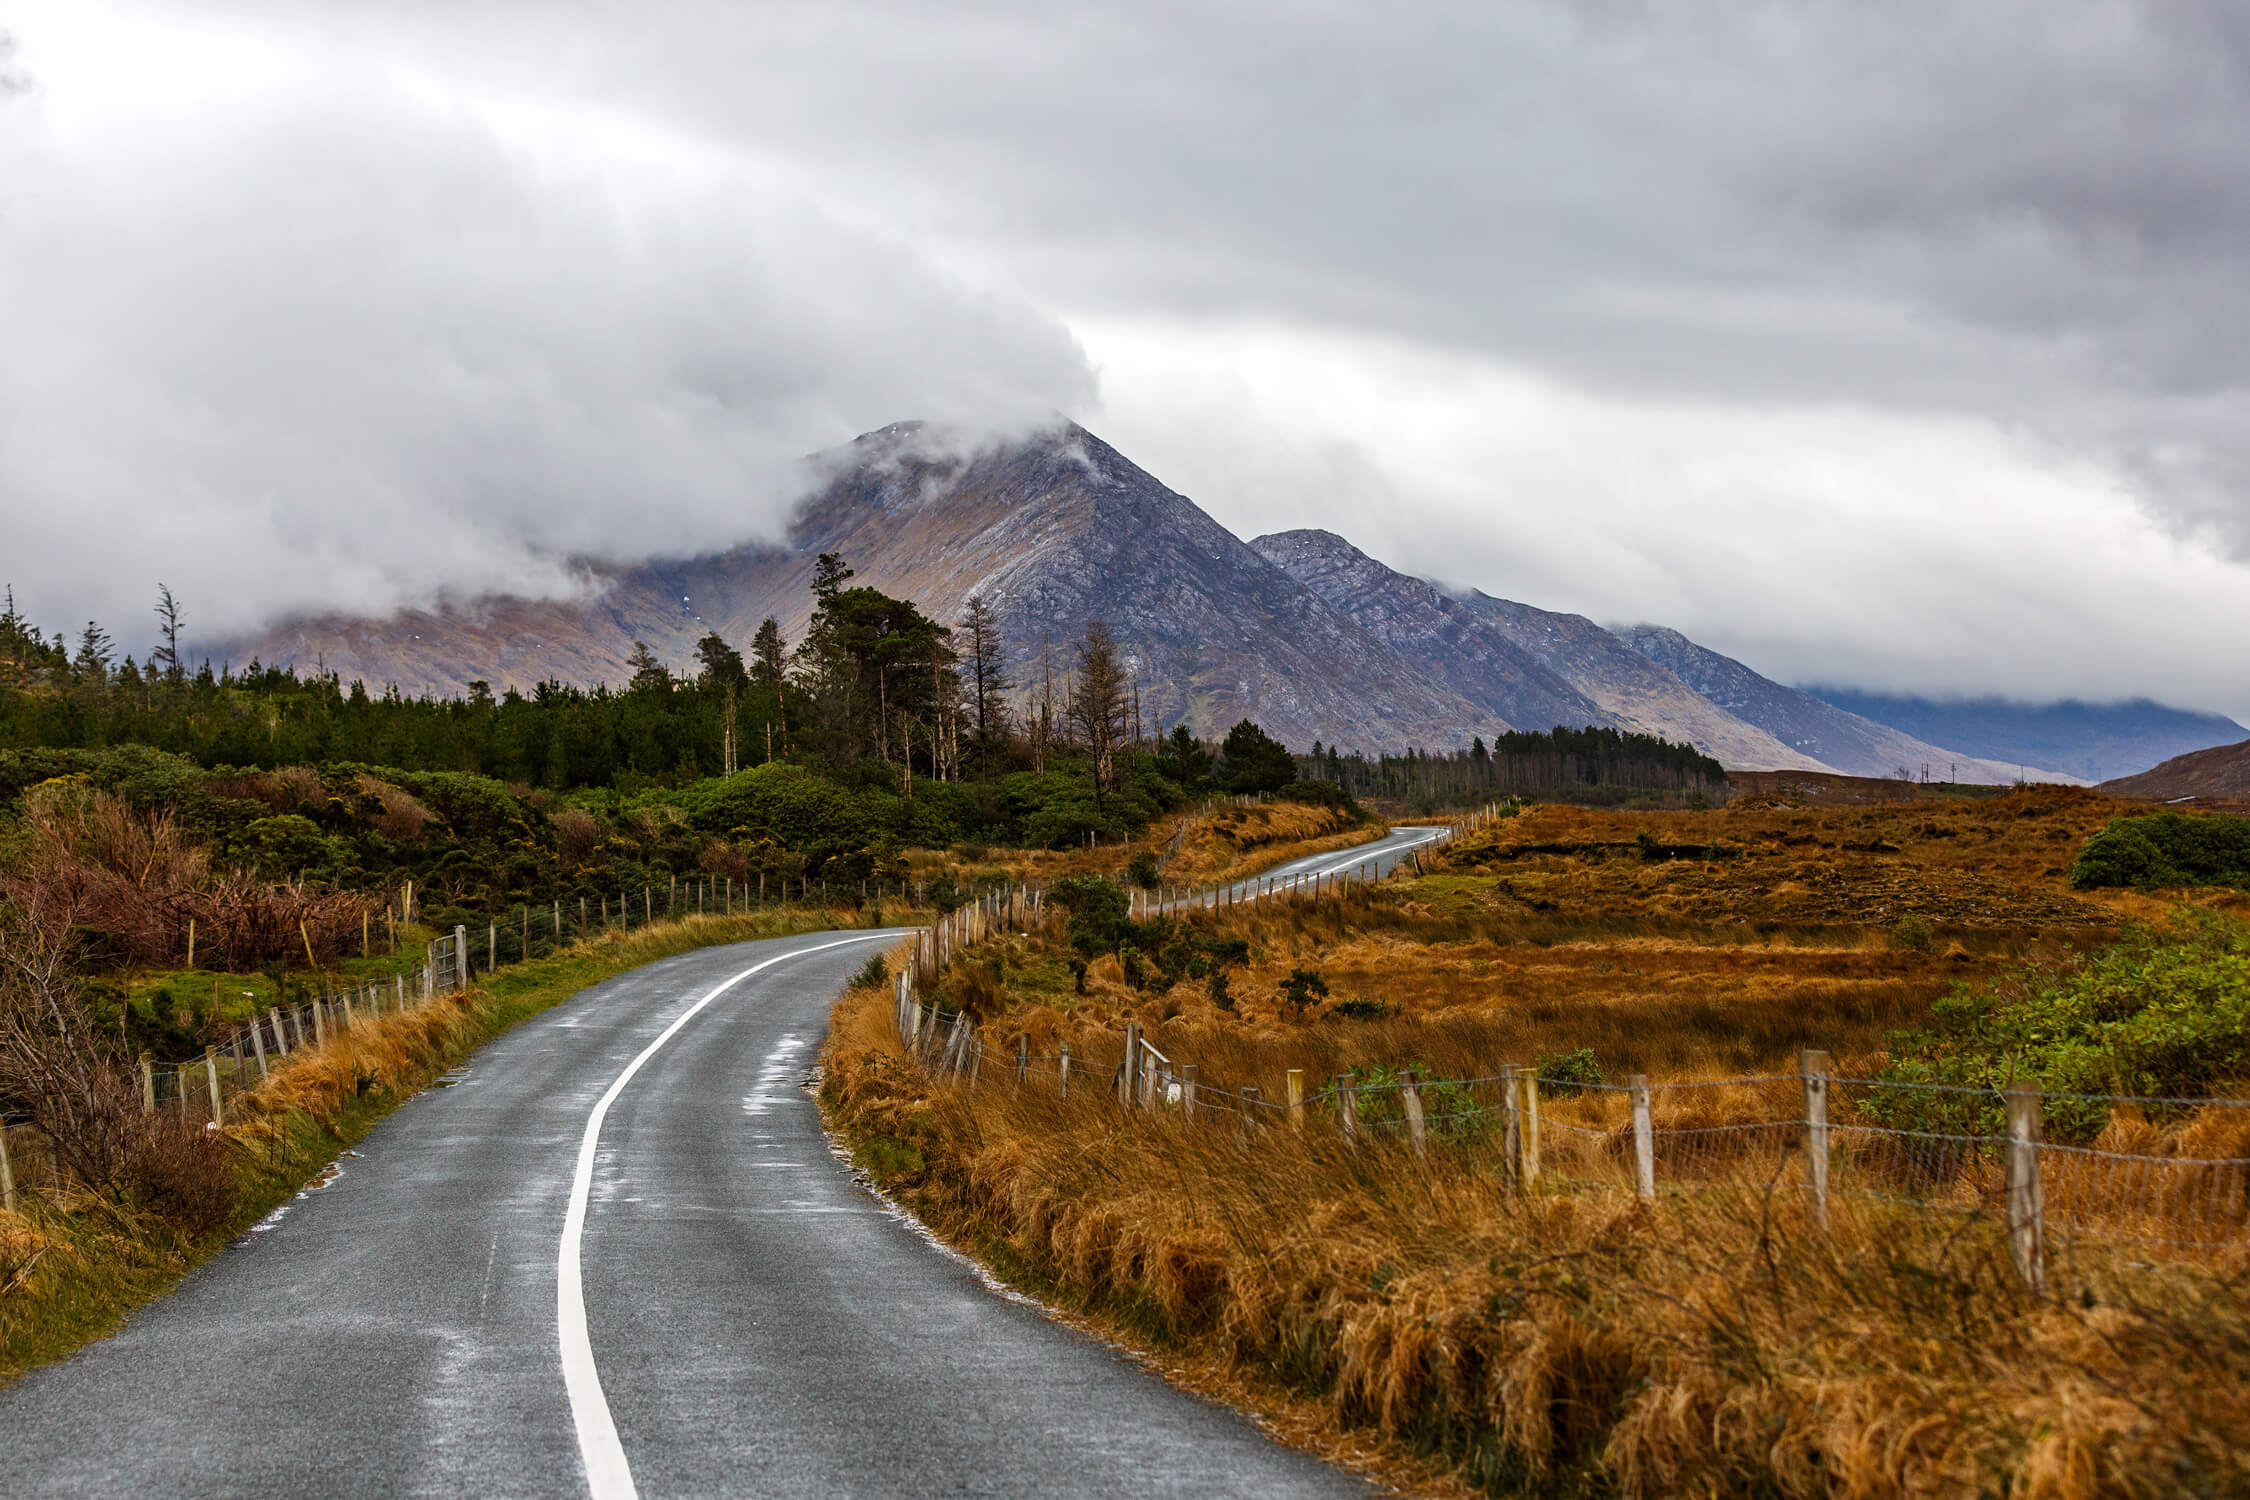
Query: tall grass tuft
x,y
1573,1342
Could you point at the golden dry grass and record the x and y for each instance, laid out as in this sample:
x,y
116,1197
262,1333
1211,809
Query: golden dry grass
x,y
1574,1343
1233,843
1577,1342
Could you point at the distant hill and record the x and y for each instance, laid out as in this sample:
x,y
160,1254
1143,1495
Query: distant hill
x,y
1853,745
2219,774
2096,741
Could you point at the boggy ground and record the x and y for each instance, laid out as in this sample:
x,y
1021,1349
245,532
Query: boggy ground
x,y
1460,1335
1671,943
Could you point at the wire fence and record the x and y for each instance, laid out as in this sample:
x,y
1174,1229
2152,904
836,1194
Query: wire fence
x,y
2163,1177
202,1091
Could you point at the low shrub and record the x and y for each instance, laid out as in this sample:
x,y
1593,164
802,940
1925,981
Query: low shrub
x,y
2167,849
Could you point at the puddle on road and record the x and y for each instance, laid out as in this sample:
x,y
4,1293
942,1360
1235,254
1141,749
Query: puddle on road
x,y
773,1088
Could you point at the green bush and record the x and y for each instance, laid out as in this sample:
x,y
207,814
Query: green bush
x,y
1098,921
2164,849
1565,1073
1302,987
1449,1111
2155,1014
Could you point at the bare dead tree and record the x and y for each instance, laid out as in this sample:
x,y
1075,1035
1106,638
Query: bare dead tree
x,y
52,1066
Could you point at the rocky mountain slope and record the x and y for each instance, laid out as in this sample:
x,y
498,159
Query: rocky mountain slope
x,y
1851,744
1300,631
1054,531
2218,774
1528,668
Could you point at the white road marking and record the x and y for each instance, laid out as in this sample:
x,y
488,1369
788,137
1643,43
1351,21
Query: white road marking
x,y
608,1476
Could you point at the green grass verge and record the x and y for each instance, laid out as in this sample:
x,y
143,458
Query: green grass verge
x,y
80,1268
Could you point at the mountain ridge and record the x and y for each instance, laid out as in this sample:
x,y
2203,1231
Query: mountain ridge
x,y
1300,631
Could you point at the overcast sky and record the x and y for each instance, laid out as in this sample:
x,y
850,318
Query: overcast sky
x,y
1901,345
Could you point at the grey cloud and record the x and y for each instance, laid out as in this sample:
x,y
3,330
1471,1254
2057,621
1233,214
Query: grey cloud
x,y
2031,214
2034,211
338,345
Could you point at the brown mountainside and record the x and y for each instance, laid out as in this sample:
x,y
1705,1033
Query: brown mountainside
x,y
2219,774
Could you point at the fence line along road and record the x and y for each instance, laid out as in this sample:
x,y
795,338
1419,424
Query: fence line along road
x,y
203,1089
2015,1156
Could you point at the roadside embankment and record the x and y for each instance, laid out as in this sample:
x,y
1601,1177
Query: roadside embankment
x,y
1417,1306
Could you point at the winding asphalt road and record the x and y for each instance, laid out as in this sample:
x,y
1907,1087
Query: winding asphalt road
x,y
1375,859
616,1254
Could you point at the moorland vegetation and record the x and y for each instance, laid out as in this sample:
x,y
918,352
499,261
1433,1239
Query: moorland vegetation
x,y
1417,1305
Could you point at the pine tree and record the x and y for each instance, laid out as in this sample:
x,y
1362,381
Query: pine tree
x,y
988,676
722,671
648,672
769,669
169,618
95,651
1100,705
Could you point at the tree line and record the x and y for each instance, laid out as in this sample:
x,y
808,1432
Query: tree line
x,y
1560,764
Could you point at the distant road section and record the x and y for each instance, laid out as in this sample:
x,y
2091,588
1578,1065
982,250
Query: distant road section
x,y
1372,861
754,1322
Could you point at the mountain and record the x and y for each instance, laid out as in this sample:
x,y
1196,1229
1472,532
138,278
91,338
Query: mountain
x,y
1300,631
2217,774
1852,744
2097,741
1054,530
1529,668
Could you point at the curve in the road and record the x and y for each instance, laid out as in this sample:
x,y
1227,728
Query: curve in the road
x,y
757,1323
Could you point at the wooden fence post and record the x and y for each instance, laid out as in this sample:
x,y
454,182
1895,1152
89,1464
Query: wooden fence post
x,y
280,1037
1347,1109
1815,1070
211,1074
1062,1074
1247,1099
1527,1132
7,1173
1129,1082
1411,1097
1511,1124
1644,1140
1187,1091
1023,1061
2027,1239
258,1042
148,1084
1296,1097
320,1027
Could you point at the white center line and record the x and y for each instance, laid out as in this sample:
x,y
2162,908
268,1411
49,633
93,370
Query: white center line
x,y
608,1476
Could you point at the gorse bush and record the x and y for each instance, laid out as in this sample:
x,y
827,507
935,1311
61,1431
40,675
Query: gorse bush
x,y
1565,1073
2158,1014
2165,849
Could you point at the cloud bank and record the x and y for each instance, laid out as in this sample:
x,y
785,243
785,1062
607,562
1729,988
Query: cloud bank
x,y
1891,344
293,328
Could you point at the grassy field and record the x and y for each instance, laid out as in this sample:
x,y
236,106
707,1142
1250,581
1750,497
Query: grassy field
x,y
70,1271
1463,1337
